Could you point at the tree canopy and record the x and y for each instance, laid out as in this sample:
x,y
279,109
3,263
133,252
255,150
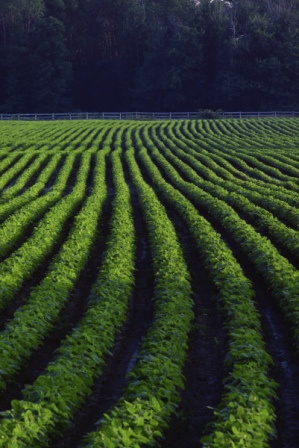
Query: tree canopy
x,y
95,55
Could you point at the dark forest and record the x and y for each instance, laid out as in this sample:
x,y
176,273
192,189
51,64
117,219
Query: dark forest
x,y
146,55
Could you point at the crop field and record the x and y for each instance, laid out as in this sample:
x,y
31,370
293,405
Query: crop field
x,y
149,284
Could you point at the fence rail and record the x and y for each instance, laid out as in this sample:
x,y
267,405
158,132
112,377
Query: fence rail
x,y
142,115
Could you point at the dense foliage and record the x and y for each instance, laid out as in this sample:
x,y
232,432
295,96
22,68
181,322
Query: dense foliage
x,y
231,185
95,55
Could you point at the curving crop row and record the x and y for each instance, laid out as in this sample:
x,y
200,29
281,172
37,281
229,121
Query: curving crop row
x,y
32,322
233,153
240,178
24,178
247,402
7,160
235,156
51,401
151,394
25,260
281,277
280,161
13,204
280,208
13,228
272,167
289,238
15,169
188,138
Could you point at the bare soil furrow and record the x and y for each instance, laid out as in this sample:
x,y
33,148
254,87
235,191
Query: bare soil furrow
x,y
281,346
53,178
204,367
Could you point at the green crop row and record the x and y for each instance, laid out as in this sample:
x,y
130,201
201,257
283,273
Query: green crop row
x,y
245,416
289,238
15,169
24,178
211,172
207,157
13,204
7,160
13,228
151,394
278,207
281,276
26,259
51,401
255,168
32,322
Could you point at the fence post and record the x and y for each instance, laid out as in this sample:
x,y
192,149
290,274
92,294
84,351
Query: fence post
x,y
240,114
35,117
86,115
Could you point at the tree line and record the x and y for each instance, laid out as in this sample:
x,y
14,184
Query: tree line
x,y
146,55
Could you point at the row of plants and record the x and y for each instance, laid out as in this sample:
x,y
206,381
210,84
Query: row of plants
x,y
51,401
282,278
275,191
47,135
265,220
280,208
33,321
245,416
7,160
233,150
237,131
22,263
281,163
207,157
271,154
203,154
269,165
33,191
171,133
233,153
13,171
240,133
13,229
24,178
275,134
151,394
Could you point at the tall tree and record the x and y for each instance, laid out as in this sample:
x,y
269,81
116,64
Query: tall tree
x,y
39,72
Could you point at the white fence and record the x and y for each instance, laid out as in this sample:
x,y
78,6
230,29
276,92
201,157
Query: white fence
x,y
143,115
